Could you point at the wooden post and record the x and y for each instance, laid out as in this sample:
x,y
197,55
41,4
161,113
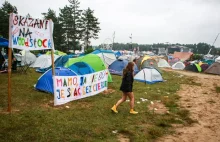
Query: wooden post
x,y
9,64
9,78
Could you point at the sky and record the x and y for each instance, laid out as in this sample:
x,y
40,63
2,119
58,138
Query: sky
x,y
149,21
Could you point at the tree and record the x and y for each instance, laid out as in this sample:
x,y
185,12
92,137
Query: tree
x,y
70,17
5,10
90,27
58,33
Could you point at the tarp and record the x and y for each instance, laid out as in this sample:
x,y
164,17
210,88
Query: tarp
x,y
183,56
148,75
117,67
3,42
81,68
93,60
45,82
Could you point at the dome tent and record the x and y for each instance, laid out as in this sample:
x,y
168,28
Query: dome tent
x,y
214,69
163,63
81,68
117,67
45,82
148,75
178,66
43,61
93,60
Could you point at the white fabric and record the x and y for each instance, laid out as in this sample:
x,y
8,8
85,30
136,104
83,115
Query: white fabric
x,y
44,61
148,75
163,64
178,66
217,59
28,58
108,58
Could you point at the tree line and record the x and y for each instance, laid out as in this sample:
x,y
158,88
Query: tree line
x,y
200,48
73,27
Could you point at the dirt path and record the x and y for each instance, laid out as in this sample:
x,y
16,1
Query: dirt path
x,y
204,105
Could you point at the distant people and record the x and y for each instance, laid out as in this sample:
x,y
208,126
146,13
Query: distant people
x,y
135,60
127,88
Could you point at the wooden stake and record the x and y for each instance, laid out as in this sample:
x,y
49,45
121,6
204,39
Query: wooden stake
x,y
9,78
9,64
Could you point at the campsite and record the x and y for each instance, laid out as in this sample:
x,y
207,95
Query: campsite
x,y
65,77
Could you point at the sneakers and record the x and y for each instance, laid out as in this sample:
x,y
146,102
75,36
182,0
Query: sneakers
x,y
133,112
114,109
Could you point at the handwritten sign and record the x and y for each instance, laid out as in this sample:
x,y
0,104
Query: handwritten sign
x,y
30,34
69,88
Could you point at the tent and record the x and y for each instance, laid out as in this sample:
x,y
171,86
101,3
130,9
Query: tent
x,y
173,61
214,69
61,61
148,75
93,60
57,52
81,68
107,56
163,64
178,66
117,54
43,61
193,68
217,59
27,57
117,67
204,67
45,82
3,42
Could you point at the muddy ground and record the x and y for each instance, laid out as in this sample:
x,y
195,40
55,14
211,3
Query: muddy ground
x,y
203,102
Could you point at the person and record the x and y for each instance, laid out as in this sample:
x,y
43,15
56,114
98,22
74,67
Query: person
x,y
126,88
135,60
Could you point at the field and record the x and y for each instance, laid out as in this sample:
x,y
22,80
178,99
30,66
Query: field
x,y
34,118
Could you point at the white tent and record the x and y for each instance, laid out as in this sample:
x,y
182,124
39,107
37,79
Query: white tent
x,y
163,63
217,59
148,75
44,61
27,57
178,66
107,56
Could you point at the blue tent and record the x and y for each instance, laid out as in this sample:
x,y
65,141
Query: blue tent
x,y
81,68
118,54
117,67
61,61
3,42
45,82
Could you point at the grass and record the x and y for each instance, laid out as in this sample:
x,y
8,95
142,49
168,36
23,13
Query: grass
x,y
90,119
217,89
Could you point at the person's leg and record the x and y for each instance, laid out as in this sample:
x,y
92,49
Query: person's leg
x,y
114,108
131,97
124,97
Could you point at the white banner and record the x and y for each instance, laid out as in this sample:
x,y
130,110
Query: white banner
x,y
69,88
30,34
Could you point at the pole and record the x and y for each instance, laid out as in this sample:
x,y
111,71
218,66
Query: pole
x,y
9,65
9,78
113,40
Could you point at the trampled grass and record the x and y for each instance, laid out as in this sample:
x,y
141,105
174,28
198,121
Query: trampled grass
x,y
35,119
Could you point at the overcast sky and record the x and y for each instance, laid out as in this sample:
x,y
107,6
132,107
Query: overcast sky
x,y
149,21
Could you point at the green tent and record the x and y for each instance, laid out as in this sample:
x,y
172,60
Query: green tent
x,y
198,68
93,60
57,52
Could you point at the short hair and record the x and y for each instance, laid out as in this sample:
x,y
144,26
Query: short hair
x,y
134,60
